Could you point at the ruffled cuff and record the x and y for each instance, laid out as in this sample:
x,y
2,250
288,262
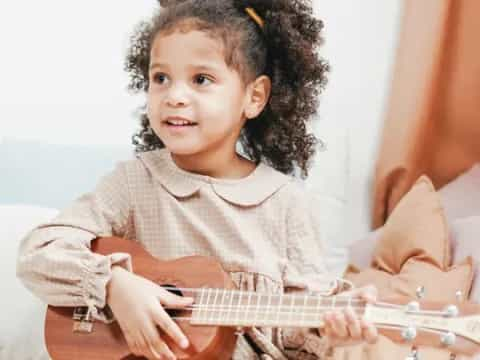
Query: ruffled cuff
x,y
304,340
95,280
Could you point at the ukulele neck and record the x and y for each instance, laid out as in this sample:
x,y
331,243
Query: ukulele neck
x,y
221,307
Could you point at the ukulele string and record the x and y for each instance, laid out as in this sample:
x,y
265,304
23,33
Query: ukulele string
x,y
334,302
301,316
303,312
251,307
200,291
190,318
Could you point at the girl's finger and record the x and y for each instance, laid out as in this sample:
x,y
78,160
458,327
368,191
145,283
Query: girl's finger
x,y
156,345
369,293
162,319
339,325
130,342
131,345
369,331
174,301
326,330
161,350
326,324
138,345
353,324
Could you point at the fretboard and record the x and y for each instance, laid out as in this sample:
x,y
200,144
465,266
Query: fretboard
x,y
221,307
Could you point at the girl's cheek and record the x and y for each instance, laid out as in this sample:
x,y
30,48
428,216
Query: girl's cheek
x,y
151,109
153,104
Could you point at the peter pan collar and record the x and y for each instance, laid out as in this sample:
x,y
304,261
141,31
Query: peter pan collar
x,y
252,190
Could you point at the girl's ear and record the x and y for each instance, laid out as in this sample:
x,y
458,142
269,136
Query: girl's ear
x,y
257,96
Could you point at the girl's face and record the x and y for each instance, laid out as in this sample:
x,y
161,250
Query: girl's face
x,y
196,103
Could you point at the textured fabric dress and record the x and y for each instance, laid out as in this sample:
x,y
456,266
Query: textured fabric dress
x,y
262,228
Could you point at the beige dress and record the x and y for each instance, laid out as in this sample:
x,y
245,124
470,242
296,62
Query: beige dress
x,y
262,228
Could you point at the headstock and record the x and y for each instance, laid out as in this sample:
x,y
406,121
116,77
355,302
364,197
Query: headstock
x,y
455,326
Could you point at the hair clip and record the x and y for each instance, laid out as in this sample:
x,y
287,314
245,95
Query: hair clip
x,y
253,14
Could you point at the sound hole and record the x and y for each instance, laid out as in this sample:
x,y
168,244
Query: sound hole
x,y
174,290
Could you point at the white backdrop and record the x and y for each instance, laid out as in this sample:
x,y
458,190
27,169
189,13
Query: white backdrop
x,y
62,81
62,70
361,39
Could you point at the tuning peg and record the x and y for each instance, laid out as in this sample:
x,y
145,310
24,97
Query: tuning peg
x,y
409,333
451,311
448,339
420,292
413,355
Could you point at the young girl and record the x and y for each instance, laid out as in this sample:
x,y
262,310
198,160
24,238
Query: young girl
x,y
230,88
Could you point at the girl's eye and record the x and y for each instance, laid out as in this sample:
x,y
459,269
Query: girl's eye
x,y
202,79
159,78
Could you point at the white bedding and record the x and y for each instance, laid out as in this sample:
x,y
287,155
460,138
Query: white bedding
x,y
22,315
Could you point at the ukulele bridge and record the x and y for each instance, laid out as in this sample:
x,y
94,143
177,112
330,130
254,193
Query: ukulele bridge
x,y
82,320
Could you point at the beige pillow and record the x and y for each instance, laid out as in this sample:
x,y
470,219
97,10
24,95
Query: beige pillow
x,y
413,250
416,228
460,199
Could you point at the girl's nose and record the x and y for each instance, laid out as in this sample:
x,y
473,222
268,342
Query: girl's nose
x,y
177,95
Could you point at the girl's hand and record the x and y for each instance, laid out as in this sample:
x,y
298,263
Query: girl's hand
x,y
137,305
344,327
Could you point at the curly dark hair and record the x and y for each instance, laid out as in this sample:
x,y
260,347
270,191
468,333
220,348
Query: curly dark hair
x,y
285,49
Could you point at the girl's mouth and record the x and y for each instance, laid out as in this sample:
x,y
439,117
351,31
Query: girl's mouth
x,y
179,122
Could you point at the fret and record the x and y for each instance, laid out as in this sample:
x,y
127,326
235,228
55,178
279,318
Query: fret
x,y
196,312
238,306
222,311
214,306
292,309
247,320
304,310
257,312
334,300
268,308
319,310
279,303
204,306
313,316
230,311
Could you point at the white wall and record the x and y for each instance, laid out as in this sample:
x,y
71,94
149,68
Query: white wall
x,y
62,81
361,39
61,72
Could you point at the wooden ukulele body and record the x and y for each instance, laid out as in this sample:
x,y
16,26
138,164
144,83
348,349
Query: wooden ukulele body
x,y
106,341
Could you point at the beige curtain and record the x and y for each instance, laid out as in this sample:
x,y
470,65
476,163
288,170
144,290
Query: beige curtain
x,y
432,123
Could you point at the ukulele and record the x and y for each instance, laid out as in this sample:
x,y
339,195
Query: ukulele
x,y
210,323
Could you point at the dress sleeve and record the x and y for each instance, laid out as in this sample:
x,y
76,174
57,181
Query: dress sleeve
x,y
305,271
55,261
